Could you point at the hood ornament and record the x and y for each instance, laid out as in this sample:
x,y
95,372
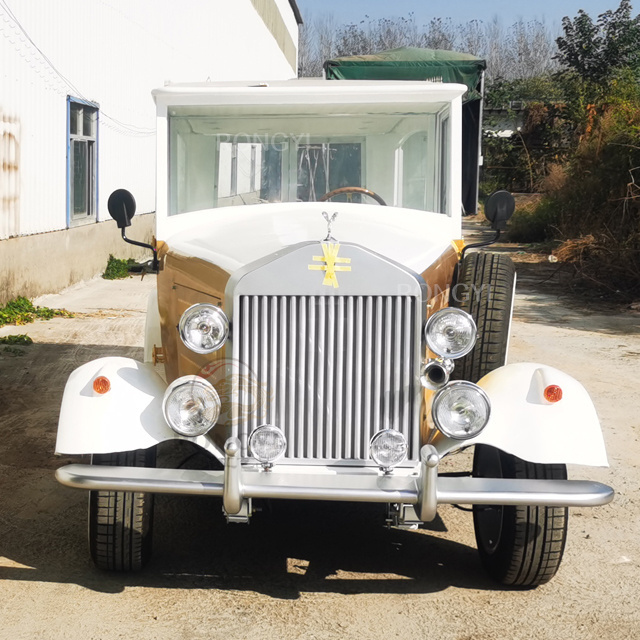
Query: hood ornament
x,y
329,261
330,221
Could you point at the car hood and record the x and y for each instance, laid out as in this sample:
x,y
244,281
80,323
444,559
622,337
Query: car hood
x,y
233,237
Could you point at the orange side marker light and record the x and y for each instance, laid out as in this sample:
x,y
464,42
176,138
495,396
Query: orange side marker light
x,y
553,393
101,385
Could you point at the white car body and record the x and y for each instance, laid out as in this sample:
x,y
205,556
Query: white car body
x,y
207,225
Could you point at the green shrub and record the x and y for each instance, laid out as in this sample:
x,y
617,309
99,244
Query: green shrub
x,y
117,269
22,311
534,223
598,200
22,340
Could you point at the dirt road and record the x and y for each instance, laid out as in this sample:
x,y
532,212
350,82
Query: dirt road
x,y
301,571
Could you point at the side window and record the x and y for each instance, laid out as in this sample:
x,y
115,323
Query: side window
x,y
239,181
415,160
82,161
270,175
444,164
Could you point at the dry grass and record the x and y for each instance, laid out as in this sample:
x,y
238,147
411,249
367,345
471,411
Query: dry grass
x,y
555,181
610,263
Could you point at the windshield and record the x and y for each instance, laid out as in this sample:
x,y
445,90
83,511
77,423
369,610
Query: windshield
x,y
225,156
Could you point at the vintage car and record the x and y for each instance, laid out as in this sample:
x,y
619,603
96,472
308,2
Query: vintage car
x,y
322,331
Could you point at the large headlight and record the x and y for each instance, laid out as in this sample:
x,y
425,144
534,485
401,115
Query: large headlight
x,y
461,410
204,328
191,406
450,333
388,448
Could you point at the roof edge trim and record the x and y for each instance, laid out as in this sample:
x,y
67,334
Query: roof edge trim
x,y
296,11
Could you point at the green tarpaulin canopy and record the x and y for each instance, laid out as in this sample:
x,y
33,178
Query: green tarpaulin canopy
x,y
411,63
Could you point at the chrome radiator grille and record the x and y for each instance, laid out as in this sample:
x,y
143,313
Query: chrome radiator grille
x,y
336,369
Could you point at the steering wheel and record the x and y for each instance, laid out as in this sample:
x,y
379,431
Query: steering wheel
x,y
362,190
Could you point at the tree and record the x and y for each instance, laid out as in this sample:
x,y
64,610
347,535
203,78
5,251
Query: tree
x,y
595,51
525,49
370,36
440,34
317,43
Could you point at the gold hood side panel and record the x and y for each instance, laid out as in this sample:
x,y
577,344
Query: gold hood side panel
x,y
183,282
438,278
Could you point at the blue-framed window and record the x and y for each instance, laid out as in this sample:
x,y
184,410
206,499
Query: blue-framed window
x,y
82,161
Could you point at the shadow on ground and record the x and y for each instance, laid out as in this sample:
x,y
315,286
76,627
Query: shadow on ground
x,y
288,549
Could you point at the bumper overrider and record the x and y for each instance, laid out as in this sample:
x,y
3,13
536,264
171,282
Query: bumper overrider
x,y
424,489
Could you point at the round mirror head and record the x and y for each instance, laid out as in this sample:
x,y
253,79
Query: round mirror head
x,y
499,208
122,207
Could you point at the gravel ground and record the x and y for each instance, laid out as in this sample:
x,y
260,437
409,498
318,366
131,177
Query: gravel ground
x,y
306,570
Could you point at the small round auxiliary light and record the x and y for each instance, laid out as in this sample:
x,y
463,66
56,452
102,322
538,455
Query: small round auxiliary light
x,y
388,449
267,443
101,385
553,393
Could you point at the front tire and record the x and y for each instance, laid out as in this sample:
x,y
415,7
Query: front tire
x,y
485,290
121,522
518,545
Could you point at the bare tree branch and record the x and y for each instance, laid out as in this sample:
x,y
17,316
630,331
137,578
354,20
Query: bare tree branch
x,y
523,50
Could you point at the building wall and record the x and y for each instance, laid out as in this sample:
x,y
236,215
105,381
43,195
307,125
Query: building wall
x,y
49,262
113,53
281,22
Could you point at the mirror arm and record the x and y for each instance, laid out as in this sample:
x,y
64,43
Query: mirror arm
x,y
480,244
477,245
155,264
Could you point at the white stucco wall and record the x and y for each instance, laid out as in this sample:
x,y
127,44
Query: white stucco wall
x,y
113,52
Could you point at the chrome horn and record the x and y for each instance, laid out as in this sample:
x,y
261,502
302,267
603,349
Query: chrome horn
x,y
436,373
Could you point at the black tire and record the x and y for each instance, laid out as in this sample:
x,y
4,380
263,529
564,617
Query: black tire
x,y
519,546
121,522
485,290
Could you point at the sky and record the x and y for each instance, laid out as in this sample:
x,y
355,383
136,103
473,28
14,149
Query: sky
x,y
509,11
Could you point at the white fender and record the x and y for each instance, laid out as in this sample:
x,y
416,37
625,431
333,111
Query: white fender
x,y
526,425
129,416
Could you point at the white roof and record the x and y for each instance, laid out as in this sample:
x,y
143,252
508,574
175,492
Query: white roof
x,y
308,91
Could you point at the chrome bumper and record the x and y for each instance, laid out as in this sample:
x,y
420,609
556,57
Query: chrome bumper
x,y
425,491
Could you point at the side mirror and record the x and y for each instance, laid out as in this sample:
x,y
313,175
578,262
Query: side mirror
x,y
122,207
499,208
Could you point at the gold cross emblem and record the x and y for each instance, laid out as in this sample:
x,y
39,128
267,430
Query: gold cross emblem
x,y
330,266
